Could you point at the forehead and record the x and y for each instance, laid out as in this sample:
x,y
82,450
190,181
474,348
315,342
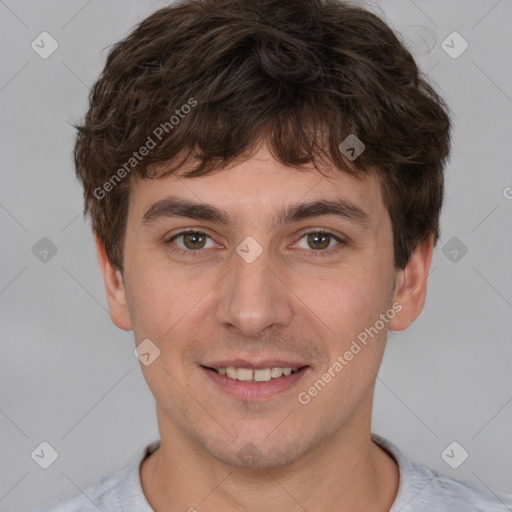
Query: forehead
x,y
259,190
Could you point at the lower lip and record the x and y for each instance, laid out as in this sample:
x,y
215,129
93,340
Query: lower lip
x,y
245,390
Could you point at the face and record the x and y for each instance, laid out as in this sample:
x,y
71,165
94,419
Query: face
x,y
269,282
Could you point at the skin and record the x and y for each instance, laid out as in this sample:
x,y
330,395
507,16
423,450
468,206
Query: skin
x,y
287,303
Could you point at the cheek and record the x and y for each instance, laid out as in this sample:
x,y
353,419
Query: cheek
x,y
164,307
162,299
347,300
346,309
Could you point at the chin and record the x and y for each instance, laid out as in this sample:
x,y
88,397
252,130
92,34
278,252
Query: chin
x,y
252,453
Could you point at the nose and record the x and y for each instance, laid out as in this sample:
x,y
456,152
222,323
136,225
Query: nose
x,y
254,296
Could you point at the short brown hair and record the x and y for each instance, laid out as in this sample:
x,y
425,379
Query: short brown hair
x,y
300,74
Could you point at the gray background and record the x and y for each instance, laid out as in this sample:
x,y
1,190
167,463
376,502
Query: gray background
x,y
69,377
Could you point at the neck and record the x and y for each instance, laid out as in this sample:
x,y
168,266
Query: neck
x,y
346,473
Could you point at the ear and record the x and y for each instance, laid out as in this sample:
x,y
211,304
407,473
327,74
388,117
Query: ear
x,y
411,286
114,287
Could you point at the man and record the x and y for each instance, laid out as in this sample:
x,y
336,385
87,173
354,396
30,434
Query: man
x,y
264,180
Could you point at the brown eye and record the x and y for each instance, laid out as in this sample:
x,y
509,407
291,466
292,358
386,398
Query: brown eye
x,y
190,240
320,243
319,240
194,240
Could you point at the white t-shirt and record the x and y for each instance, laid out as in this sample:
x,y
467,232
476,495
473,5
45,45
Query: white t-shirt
x,y
420,489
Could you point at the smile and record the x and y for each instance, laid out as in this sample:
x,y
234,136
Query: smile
x,y
255,384
250,375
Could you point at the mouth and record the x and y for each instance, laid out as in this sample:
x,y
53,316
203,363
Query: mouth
x,y
254,375
255,383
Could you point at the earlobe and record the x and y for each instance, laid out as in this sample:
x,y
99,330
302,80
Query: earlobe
x,y
411,286
114,287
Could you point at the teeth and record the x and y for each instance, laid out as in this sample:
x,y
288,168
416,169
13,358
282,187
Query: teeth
x,y
261,375
244,374
277,372
231,372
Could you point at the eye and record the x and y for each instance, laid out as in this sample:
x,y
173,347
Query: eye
x,y
191,241
321,242
316,243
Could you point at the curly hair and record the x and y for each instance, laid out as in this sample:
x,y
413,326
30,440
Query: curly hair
x,y
204,81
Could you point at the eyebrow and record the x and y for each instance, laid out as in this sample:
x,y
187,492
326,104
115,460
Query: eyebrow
x,y
171,207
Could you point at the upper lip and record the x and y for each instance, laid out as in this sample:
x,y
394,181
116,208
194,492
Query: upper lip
x,y
255,365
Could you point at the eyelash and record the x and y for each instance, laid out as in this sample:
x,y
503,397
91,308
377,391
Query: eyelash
x,y
316,254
